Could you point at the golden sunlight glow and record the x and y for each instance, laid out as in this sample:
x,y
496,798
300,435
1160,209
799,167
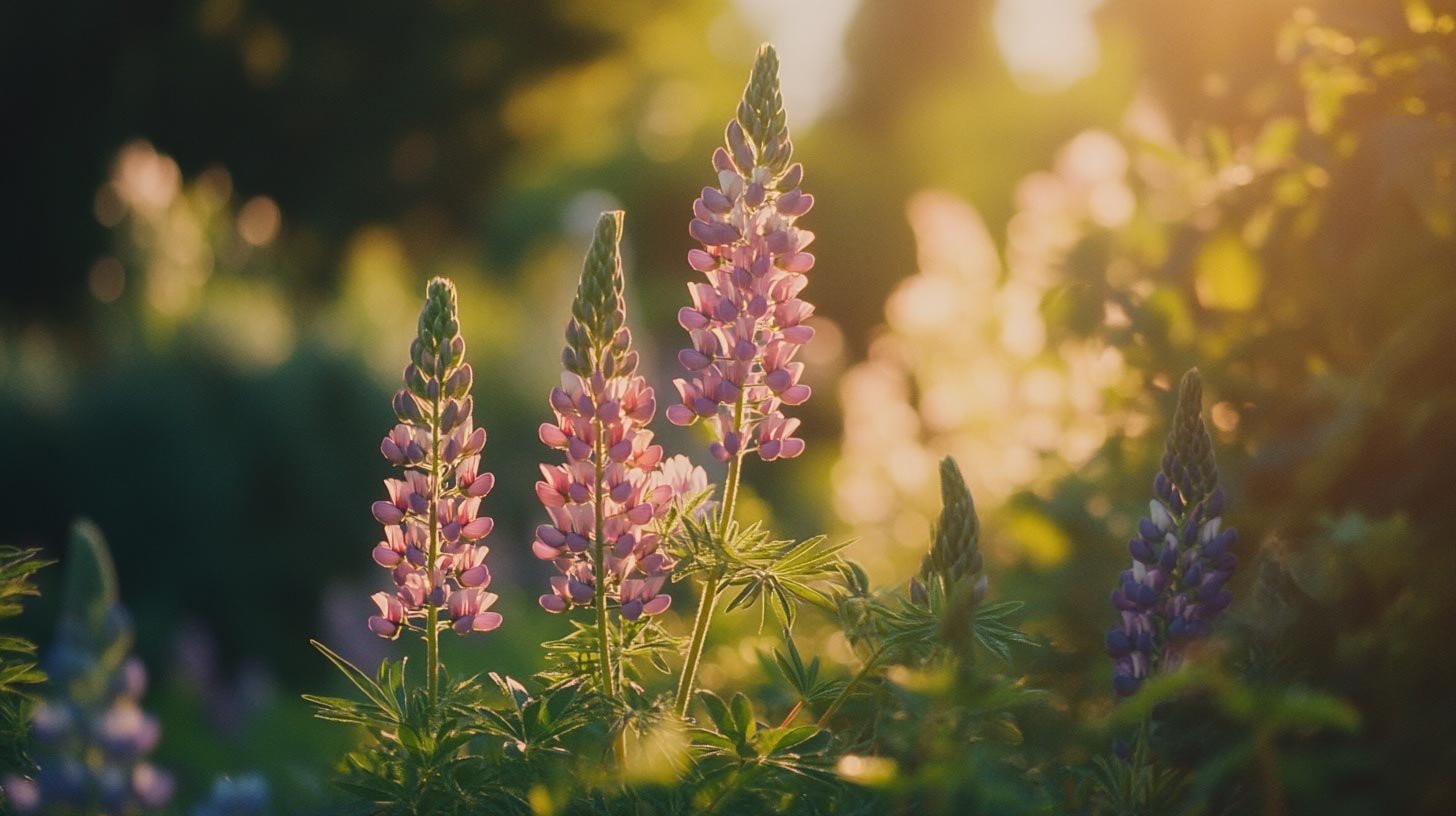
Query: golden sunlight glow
x,y
810,42
1047,44
966,367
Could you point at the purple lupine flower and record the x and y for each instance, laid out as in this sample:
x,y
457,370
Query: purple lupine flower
x,y
432,522
610,484
92,738
746,323
1182,555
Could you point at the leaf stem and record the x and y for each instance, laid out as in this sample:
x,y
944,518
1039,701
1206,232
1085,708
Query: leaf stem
x,y
713,586
839,700
793,712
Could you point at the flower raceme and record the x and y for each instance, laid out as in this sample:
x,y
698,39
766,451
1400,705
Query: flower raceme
x,y
603,500
1182,556
432,526
746,322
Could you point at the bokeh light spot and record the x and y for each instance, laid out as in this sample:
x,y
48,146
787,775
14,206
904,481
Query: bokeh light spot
x,y
107,279
259,221
1047,44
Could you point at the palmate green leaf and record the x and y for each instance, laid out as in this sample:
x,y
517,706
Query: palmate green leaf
x,y
535,724
743,718
575,655
19,674
780,575
803,678
695,543
383,700
746,764
718,712
778,740
16,645
997,637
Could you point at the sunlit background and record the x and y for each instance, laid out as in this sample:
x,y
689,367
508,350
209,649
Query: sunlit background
x,y
1032,216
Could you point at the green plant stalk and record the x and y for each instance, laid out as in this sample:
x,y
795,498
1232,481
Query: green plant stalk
x,y
432,614
608,679
843,695
713,586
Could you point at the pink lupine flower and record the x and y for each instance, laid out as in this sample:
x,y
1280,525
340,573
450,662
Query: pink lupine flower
x,y
687,481
390,617
746,323
468,611
432,522
602,501
643,596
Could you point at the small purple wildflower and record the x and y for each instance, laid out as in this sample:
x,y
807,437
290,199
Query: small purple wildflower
x,y
746,323
432,522
1182,556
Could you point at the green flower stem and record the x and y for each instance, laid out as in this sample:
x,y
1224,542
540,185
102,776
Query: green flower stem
x,y
713,586
432,614
848,687
608,679
695,645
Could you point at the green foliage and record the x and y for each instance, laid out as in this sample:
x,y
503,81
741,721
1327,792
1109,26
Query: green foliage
x,y
772,574
809,688
1134,786
18,671
17,655
743,763
414,761
578,653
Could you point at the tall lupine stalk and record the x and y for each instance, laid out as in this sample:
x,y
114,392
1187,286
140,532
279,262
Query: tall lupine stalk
x,y
604,499
1182,556
431,521
746,321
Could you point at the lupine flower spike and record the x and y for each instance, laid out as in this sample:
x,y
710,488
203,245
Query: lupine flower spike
x,y
432,526
954,567
91,736
1182,555
746,322
603,500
